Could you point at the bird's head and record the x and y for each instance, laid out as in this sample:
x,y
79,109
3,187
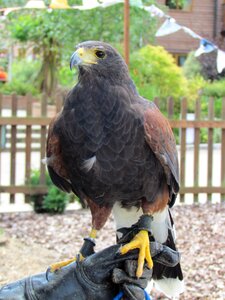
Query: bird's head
x,y
99,59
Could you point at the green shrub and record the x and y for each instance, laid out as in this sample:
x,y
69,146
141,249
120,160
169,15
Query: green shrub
x,y
54,201
155,73
215,89
24,74
195,89
192,67
205,106
66,76
18,87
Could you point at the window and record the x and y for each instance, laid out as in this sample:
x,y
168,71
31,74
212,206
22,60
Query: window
x,y
179,4
180,59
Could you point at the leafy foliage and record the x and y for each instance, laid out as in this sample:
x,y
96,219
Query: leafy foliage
x,y
11,3
192,66
204,81
54,202
24,76
155,73
215,89
174,4
66,77
195,89
50,32
18,87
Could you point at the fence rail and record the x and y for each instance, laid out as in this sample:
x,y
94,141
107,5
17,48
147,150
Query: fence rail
x,y
33,116
23,129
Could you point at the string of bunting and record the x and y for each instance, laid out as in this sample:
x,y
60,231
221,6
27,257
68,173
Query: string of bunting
x,y
171,26
168,27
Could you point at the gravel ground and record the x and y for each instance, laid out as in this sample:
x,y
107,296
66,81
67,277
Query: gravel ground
x,y
30,242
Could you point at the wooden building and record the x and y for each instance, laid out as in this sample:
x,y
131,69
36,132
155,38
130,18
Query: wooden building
x,y
205,17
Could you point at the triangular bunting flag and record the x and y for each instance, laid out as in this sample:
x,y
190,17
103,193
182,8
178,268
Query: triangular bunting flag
x,y
35,4
61,4
220,61
205,47
168,27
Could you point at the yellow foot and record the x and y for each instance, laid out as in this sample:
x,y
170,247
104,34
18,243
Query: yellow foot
x,y
61,264
140,241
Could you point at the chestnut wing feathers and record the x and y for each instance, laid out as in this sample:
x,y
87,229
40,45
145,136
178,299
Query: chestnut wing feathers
x,y
56,168
160,139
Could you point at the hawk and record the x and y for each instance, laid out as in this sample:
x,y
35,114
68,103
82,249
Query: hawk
x,y
115,149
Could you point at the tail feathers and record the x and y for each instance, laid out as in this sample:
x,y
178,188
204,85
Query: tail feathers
x,y
169,280
161,271
171,287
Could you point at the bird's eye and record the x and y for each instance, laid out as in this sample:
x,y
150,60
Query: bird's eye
x,y
100,54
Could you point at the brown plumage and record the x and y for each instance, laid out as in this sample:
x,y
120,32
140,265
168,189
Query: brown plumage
x,y
109,145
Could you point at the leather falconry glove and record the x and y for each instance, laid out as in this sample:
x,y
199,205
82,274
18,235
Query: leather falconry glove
x,y
99,277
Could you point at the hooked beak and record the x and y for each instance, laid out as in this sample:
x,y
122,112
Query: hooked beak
x,y
75,60
83,56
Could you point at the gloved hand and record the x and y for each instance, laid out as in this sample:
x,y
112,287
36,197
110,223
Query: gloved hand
x,y
99,277
133,287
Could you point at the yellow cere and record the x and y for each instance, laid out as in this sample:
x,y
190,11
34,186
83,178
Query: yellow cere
x,y
87,55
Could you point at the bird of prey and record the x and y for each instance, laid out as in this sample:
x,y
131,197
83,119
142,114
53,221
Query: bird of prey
x,y
115,149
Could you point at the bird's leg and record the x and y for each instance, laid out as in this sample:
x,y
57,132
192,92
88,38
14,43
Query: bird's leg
x,y
141,242
86,250
141,239
93,233
99,218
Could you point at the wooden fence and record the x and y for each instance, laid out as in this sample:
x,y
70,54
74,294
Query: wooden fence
x,y
23,129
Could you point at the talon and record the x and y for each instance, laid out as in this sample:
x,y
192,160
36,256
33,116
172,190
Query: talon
x,y
57,266
140,241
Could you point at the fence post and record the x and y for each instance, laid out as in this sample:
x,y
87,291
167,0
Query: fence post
x,y
28,141
170,107
183,147
13,148
210,147
196,148
223,150
43,139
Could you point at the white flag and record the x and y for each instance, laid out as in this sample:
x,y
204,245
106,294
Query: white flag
x,y
205,47
220,60
168,27
154,11
35,4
